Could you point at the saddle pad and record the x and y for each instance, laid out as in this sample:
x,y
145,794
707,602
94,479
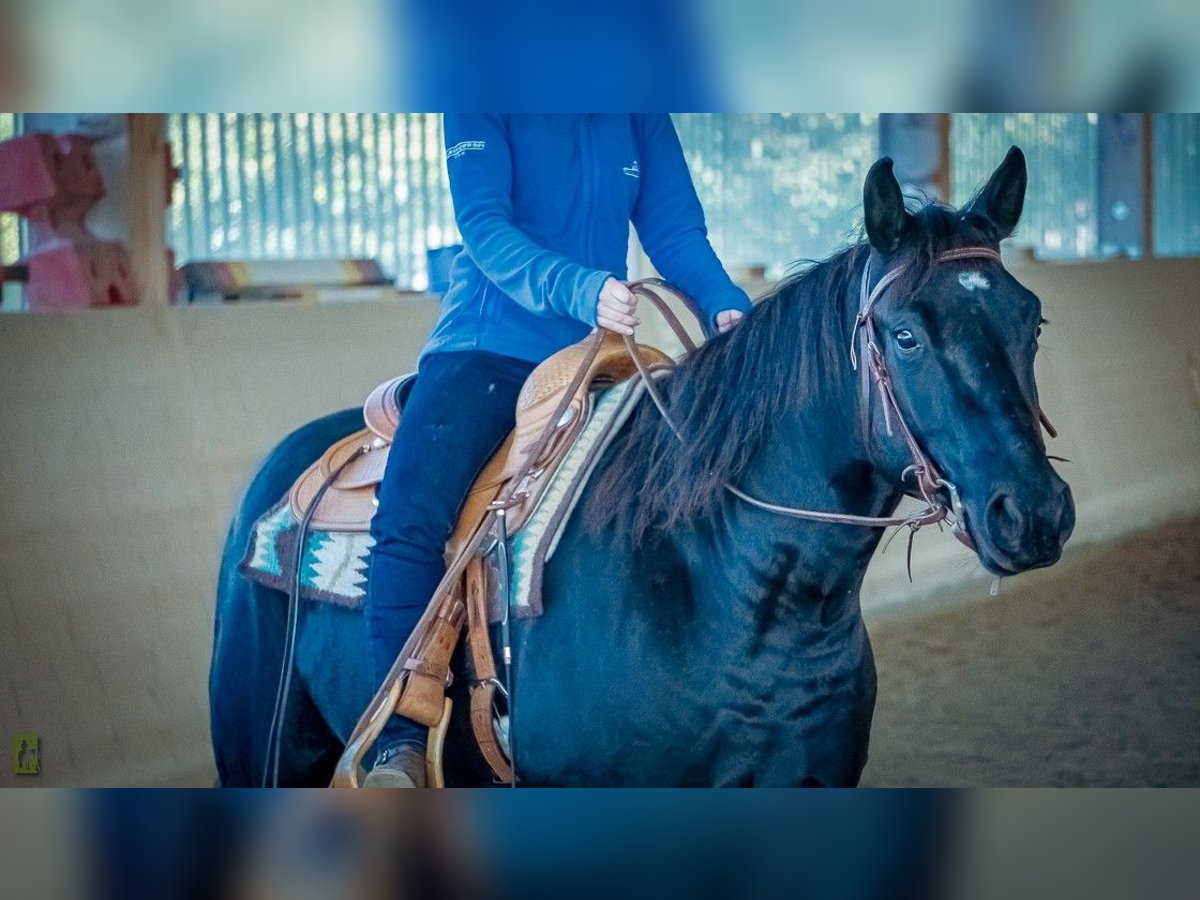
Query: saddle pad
x,y
535,543
334,565
335,562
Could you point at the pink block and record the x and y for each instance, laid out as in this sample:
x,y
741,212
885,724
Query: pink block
x,y
40,170
76,276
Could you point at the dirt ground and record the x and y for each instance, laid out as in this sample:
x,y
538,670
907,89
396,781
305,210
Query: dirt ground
x,y
1085,674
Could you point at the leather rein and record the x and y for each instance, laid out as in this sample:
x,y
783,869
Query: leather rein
x,y
928,481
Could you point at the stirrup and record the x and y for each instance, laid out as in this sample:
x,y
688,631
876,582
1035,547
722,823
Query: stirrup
x,y
435,777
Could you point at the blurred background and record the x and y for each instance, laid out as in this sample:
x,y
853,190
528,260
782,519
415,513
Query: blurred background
x,y
738,55
902,845
253,271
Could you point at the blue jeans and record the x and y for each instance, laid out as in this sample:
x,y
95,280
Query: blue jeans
x,y
459,412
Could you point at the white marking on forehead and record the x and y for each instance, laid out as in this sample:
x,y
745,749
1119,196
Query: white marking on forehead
x,y
973,280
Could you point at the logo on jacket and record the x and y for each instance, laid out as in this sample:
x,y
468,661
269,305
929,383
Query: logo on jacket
x,y
632,170
462,147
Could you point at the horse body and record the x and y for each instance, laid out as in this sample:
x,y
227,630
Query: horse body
x,y
695,680
690,638
249,636
731,651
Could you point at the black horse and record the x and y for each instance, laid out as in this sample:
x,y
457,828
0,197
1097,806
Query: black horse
x,y
690,638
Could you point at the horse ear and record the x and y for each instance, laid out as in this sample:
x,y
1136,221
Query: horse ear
x,y
883,207
1001,199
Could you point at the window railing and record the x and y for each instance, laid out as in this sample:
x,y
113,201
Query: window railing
x,y
310,185
1176,169
775,188
1059,220
779,188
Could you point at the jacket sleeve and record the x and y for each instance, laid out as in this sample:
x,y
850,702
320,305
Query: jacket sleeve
x,y
479,163
670,223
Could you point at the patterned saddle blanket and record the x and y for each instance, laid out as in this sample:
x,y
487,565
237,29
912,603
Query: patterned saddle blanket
x,y
334,563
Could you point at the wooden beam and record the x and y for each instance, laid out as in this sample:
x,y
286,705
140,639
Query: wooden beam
x,y
920,145
945,170
14,61
1147,185
1125,196
147,207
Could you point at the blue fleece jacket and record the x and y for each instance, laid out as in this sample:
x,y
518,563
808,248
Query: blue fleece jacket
x,y
544,203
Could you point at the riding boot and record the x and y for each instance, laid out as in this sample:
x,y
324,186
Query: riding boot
x,y
399,766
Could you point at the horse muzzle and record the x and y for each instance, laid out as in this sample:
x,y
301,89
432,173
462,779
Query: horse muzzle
x,y
1019,528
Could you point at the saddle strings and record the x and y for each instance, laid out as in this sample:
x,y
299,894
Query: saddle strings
x,y
270,775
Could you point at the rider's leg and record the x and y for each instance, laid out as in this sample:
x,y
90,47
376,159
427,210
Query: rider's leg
x,y
459,411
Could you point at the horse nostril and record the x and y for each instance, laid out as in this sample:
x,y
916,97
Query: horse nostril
x,y
1003,512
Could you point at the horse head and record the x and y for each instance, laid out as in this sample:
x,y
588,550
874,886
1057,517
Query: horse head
x,y
957,335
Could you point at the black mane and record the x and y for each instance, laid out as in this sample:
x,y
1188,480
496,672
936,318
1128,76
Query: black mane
x,y
792,350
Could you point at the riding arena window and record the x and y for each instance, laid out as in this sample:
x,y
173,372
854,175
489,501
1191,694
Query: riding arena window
x,y
305,185
1176,168
777,189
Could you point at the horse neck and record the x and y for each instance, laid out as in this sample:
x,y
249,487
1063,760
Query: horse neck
x,y
817,457
820,451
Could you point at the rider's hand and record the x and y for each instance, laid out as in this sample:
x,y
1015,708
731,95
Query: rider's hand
x,y
727,318
617,307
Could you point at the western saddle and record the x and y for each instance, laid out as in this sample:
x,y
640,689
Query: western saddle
x,y
338,493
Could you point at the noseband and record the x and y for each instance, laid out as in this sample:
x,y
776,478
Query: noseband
x,y
928,483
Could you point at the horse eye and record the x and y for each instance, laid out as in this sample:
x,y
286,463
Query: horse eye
x,y
905,340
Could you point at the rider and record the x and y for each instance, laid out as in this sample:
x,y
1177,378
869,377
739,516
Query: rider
x,y
543,203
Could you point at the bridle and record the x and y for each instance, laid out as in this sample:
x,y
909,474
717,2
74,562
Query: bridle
x,y
928,482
